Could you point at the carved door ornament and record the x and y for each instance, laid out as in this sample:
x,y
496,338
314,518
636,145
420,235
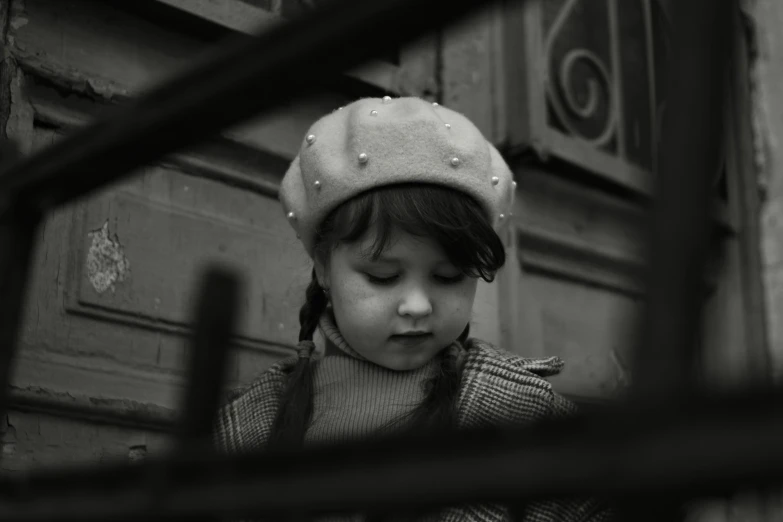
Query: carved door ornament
x,y
585,85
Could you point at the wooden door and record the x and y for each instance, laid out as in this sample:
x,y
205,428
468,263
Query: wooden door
x,y
112,290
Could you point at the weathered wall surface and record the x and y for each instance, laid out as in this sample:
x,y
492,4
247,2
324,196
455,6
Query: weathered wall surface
x,y
111,293
766,17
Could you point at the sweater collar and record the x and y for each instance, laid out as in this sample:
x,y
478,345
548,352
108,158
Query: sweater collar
x,y
333,336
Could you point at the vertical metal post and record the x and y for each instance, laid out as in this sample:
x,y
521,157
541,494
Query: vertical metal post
x,y
214,321
665,365
665,362
18,227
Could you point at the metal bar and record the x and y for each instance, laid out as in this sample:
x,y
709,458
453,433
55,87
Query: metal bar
x,y
665,359
215,319
705,448
246,77
18,228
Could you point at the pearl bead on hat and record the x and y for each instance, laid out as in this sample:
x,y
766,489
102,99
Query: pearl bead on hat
x,y
374,142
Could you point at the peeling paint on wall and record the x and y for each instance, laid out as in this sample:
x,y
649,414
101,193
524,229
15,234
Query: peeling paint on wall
x,y
106,261
69,78
16,18
19,124
137,454
18,15
7,438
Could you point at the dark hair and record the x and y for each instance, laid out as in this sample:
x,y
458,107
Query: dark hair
x,y
453,220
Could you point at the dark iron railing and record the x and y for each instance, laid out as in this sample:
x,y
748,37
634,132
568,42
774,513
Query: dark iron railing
x,y
668,443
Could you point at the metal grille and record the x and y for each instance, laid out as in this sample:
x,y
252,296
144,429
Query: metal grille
x,y
669,442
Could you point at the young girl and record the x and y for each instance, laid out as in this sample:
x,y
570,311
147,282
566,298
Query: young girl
x,y
397,201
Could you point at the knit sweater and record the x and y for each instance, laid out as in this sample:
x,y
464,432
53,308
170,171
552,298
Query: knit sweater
x,y
354,397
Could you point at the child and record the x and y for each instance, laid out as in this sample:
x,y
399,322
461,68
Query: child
x,y
397,201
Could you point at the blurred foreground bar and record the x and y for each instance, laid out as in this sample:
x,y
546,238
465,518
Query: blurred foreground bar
x,y
666,357
18,233
711,447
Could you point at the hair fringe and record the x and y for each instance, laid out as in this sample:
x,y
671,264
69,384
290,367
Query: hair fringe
x,y
451,218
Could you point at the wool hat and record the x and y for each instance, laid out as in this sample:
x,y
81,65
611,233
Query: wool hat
x,y
382,141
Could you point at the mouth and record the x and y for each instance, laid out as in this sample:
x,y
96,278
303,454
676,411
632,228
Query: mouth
x,y
412,338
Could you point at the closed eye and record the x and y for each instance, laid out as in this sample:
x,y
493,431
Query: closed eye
x,y
446,280
450,280
381,280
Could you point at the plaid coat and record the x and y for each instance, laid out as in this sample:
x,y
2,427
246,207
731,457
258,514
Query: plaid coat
x,y
496,388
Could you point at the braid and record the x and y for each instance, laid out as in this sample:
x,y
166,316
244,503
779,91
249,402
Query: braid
x,y
296,402
314,305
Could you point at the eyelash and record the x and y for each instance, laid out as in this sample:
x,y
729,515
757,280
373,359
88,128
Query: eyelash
x,y
390,280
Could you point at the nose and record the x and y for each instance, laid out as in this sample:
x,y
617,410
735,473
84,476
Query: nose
x,y
415,303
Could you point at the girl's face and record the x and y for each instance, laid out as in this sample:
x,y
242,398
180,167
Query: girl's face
x,y
411,288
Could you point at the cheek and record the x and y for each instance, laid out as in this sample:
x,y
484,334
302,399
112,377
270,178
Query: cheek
x,y
357,299
463,297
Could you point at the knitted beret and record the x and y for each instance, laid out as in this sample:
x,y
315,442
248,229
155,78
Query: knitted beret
x,y
381,141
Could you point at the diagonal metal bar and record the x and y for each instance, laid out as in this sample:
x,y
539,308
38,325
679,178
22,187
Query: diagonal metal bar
x,y
665,361
708,448
246,77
